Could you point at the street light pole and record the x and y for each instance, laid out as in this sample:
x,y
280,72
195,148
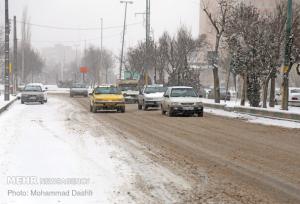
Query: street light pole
x,y
286,67
123,38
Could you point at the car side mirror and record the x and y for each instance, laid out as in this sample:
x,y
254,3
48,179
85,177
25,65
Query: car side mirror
x,y
90,94
166,96
46,88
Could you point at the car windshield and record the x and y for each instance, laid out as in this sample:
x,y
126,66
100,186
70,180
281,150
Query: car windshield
x,y
158,89
127,87
107,90
32,88
295,91
183,92
78,86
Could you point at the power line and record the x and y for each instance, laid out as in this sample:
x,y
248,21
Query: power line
x,y
75,29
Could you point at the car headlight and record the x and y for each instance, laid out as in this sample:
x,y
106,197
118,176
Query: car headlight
x,y
175,104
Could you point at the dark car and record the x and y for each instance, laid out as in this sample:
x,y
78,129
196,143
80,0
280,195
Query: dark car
x,y
32,93
223,94
79,89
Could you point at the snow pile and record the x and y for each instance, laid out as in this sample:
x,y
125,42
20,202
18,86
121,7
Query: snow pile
x,y
254,119
4,103
56,89
236,103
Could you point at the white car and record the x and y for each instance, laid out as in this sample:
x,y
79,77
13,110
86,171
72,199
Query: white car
x,y
151,96
181,100
294,96
44,90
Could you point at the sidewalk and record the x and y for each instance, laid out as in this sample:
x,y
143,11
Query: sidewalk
x,y
5,104
234,106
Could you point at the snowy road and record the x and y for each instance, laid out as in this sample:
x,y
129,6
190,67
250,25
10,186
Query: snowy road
x,y
142,157
60,141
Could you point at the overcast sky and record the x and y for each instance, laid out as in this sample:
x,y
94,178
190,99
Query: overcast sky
x,y
166,15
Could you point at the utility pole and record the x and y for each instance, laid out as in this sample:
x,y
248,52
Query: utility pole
x,y
123,38
15,64
286,67
6,71
101,54
146,67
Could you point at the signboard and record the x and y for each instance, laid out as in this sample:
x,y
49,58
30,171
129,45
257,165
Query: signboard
x,y
131,75
84,70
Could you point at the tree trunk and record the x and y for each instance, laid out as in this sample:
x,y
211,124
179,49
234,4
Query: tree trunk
x,y
265,92
244,90
216,85
216,71
272,93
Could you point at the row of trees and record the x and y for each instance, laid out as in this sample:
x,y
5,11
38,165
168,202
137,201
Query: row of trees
x,y
255,44
169,57
251,39
29,61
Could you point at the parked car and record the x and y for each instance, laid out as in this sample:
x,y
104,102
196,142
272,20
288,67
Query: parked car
x,y
277,96
44,89
32,93
107,98
181,100
224,95
79,89
294,96
151,96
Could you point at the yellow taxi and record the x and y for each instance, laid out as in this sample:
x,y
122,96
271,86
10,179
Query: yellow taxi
x,y
107,98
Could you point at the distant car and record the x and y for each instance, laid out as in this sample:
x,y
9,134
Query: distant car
x,y
223,94
79,89
151,96
129,90
44,89
32,93
107,98
181,100
294,96
277,96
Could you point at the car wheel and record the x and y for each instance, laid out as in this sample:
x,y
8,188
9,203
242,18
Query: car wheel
x,y
22,102
94,109
122,109
42,102
140,106
200,114
163,112
46,101
145,107
170,113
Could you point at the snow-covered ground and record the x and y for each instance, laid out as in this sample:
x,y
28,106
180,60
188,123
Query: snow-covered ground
x,y
254,119
3,103
236,103
61,140
55,89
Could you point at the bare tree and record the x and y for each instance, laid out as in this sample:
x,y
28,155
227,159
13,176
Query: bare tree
x,y
218,20
93,62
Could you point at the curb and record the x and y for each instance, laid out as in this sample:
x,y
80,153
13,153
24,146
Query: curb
x,y
4,108
257,112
